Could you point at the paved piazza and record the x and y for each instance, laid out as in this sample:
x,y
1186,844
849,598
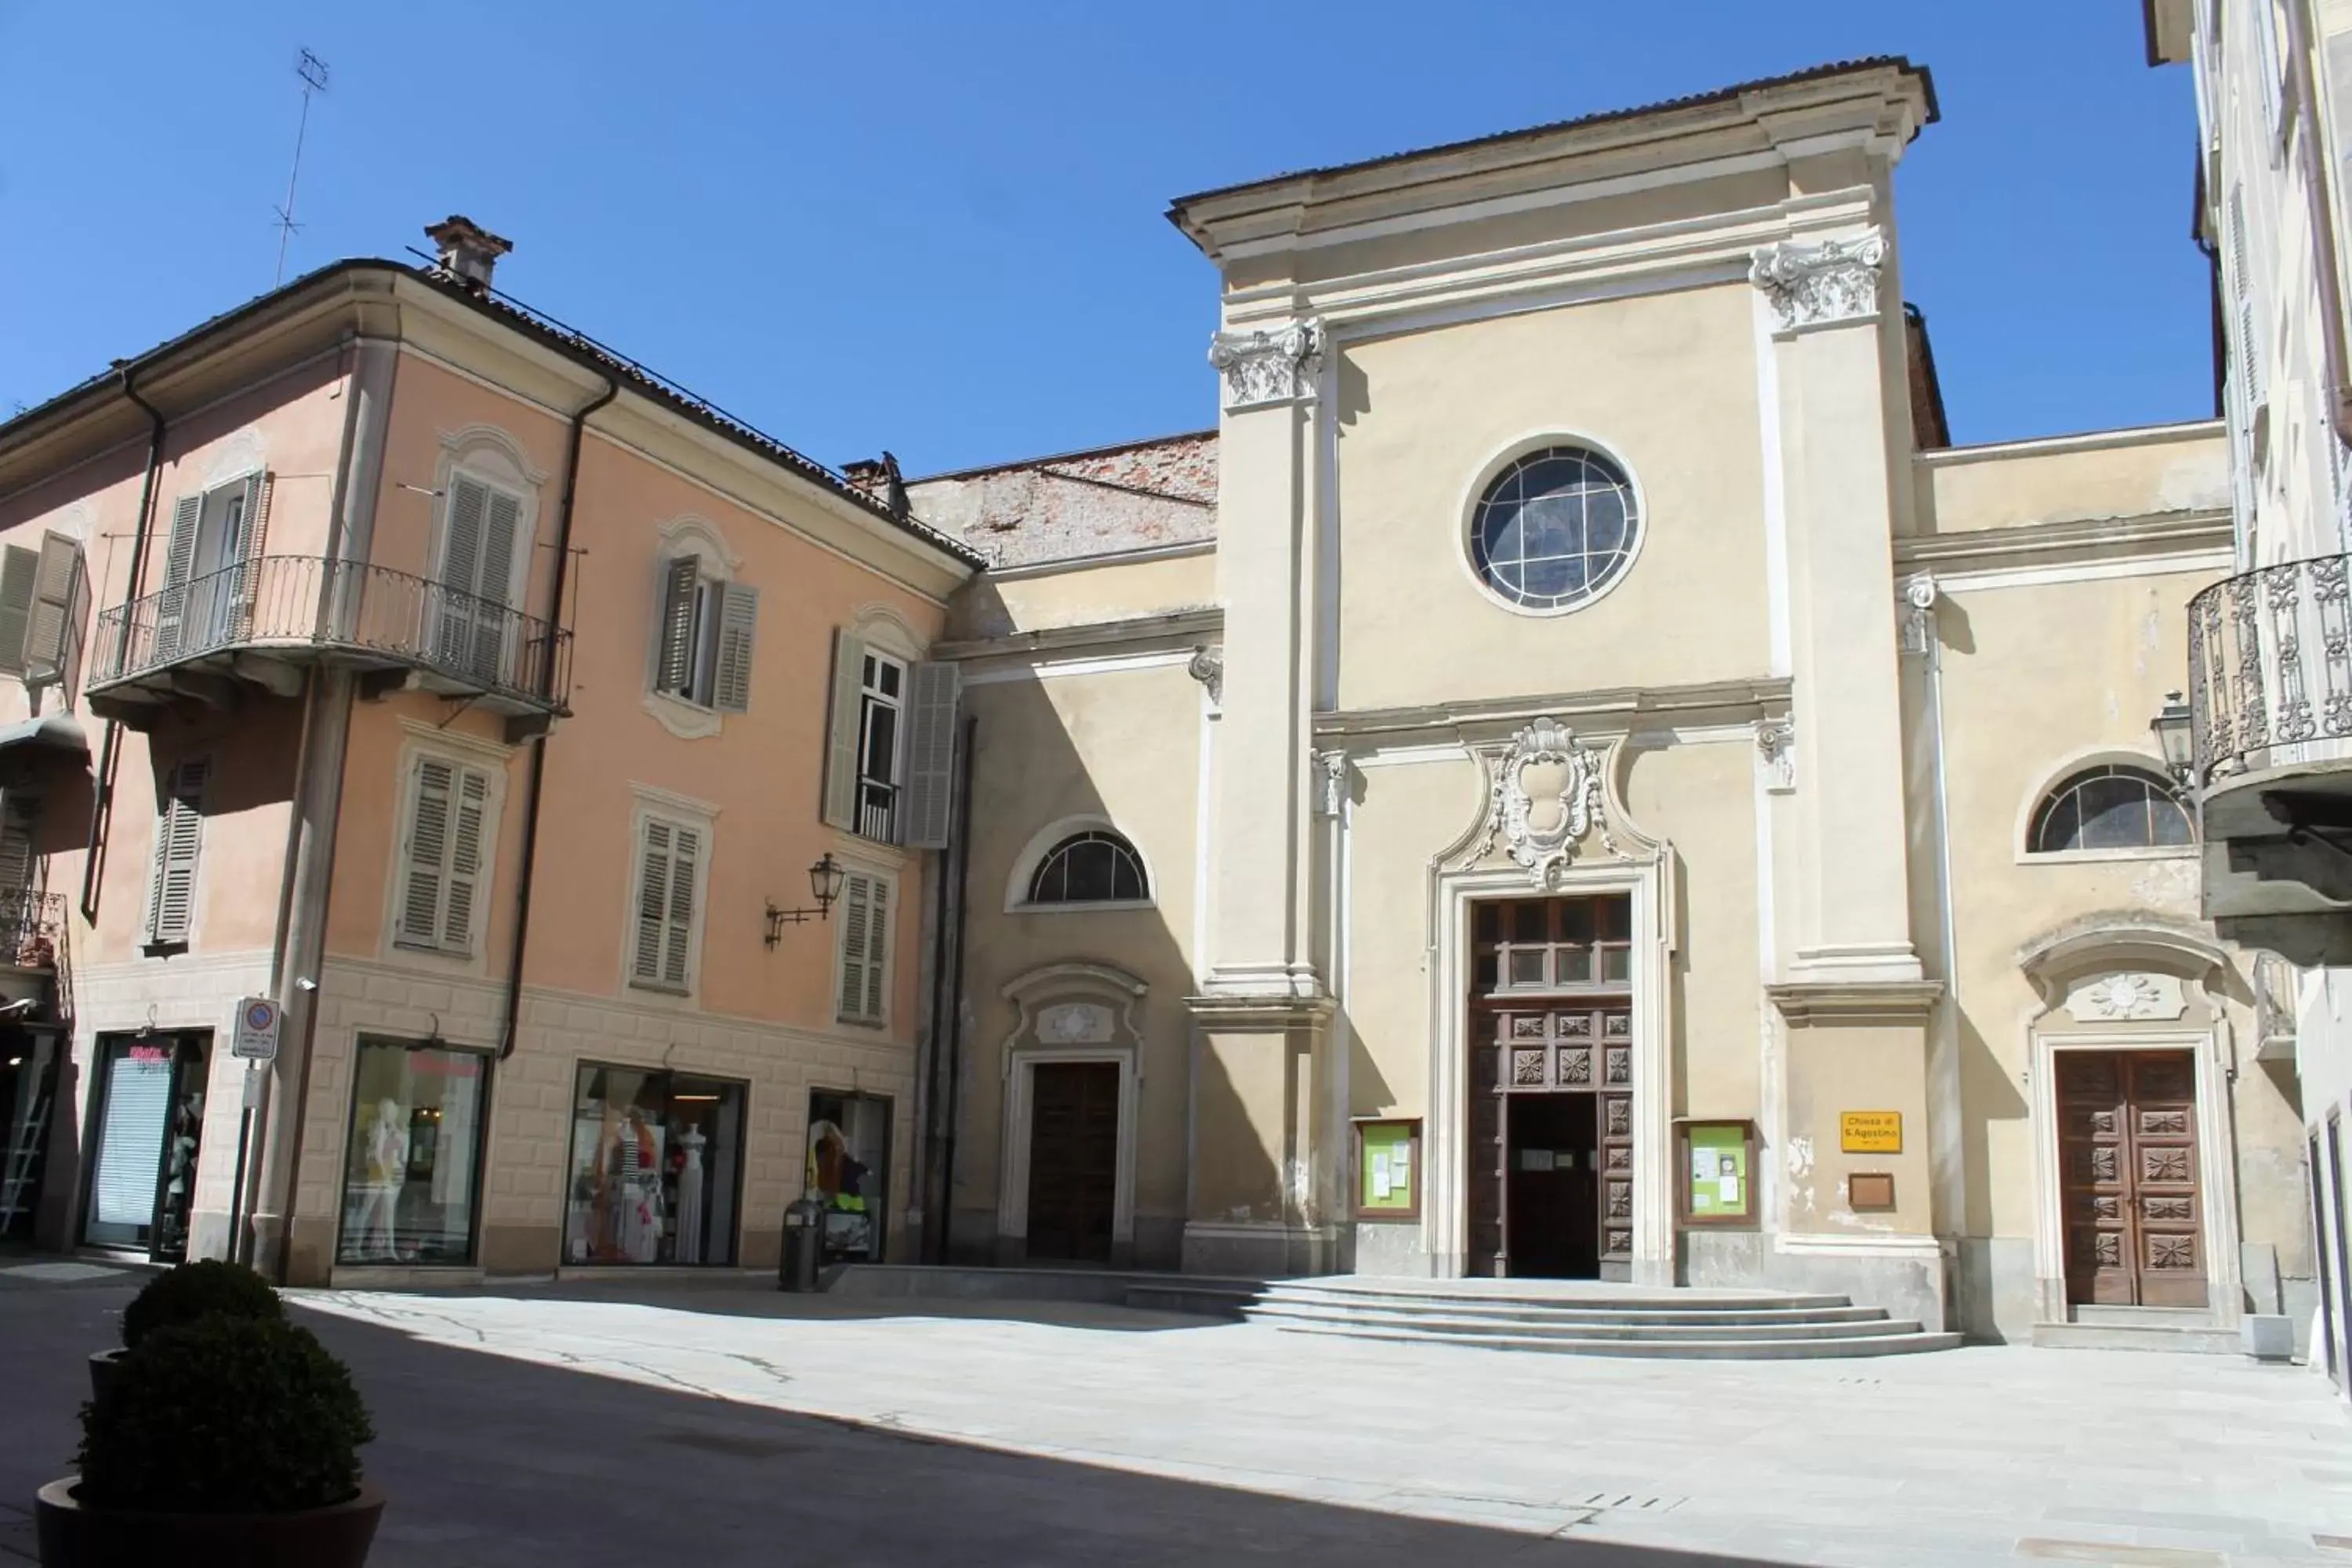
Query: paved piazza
x,y
578,1426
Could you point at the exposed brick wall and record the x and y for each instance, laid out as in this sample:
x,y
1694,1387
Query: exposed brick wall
x,y
1114,499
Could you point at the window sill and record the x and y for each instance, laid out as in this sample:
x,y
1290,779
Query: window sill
x,y
163,949
2097,857
659,989
687,720
1074,907
429,950
862,1023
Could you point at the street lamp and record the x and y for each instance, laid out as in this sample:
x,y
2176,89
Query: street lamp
x,y
825,886
2173,737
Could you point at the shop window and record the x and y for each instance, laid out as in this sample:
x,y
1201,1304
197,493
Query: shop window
x,y
150,1125
848,1171
411,1167
657,1162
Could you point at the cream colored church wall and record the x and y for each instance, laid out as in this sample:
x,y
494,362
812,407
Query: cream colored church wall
x,y
1088,595
1121,746
1667,383
2108,473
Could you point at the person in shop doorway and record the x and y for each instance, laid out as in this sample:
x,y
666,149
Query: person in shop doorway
x,y
837,1179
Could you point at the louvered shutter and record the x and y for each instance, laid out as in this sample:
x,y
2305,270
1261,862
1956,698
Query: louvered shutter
x,y
179,835
930,754
472,806
428,853
840,797
17,814
653,899
56,591
461,569
2250,348
739,624
245,587
502,516
20,571
677,930
673,659
856,897
172,599
877,948
77,630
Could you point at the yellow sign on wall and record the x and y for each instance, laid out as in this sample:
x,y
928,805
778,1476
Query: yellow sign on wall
x,y
1870,1132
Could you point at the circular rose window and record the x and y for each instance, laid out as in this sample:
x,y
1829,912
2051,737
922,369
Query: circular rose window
x,y
1555,528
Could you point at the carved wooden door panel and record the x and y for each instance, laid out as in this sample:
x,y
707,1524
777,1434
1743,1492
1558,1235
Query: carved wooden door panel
x,y
1488,1166
2129,1174
1073,1160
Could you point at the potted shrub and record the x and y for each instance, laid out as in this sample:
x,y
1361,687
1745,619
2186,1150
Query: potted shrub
x,y
186,1294
227,1440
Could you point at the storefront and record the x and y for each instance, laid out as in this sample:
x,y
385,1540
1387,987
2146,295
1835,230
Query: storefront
x,y
150,1117
848,1171
28,1082
657,1168
412,1172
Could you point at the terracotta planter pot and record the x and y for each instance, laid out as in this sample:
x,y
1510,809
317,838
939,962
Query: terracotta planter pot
x,y
102,1367
72,1536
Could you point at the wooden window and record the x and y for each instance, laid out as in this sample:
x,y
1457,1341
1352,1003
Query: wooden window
x,y
474,589
442,873
2110,808
1553,944
1090,867
20,814
669,861
179,835
889,771
864,949
707,632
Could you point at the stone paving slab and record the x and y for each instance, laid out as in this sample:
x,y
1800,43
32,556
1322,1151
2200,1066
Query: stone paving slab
x,y
1977,1455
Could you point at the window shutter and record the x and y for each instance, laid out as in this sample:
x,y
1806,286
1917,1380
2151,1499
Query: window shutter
x,y
20,571
653,899
674,663
18,813
461,569
471,807
497,590
857,896
2250,348
677,932
739,624
877,948
57,590
76,629
179,834
179,563
257,492
841,731
428,854
930,754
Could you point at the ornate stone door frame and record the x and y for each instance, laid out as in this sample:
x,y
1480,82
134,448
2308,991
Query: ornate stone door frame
x,y
1445,1216
1067,1013
2064,969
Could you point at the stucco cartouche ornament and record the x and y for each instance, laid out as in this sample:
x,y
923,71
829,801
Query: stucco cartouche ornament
x,y
1816,285
1544,848
1268,364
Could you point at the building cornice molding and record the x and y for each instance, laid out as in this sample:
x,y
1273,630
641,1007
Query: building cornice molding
x,y
1608,714
2078,441
2158,539
1855,1003
1184,627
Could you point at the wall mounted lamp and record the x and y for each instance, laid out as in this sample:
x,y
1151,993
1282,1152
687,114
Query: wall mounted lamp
x,y
2172,729
825,886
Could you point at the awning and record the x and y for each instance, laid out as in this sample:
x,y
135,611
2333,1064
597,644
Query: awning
x,y
50,733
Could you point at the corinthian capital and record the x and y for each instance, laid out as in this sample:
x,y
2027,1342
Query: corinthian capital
x,y
1821,284
1268,364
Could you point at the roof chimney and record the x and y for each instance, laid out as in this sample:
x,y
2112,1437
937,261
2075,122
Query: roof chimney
x,y
469,251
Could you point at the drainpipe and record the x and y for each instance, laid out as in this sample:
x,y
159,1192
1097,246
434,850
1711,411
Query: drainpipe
x,y
101,798
961,842
532,795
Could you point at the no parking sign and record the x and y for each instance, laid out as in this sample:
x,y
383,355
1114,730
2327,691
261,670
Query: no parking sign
x,y
256,1030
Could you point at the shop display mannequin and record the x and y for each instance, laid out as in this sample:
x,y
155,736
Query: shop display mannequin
x,y
634,1171
387,1168
689,1197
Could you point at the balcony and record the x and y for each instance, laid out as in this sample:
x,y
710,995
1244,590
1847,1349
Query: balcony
x,y
2270,678
260,623
32,946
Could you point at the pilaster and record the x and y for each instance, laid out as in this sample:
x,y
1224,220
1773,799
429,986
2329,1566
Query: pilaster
x,y
1826,318
1264,1192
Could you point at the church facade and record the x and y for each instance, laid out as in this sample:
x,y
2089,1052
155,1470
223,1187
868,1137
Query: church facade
x,y
1576,776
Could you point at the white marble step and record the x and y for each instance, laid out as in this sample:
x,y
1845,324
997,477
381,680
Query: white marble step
x,y
1729,1348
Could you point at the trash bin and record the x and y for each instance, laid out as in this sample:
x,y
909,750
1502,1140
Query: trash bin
x,y
803,1240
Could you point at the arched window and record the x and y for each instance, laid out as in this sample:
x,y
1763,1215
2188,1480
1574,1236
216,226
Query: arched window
x,y
2110,807
1090,867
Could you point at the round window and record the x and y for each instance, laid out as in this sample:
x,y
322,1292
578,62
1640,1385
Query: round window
x,y
1556,527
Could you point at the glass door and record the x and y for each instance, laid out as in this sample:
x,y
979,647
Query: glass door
x,y
151,1116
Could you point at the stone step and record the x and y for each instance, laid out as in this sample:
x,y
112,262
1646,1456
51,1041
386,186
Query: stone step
x,y
1729,1348
1577,1295
1582,1327
2145,1317
1409,1307
2082,1336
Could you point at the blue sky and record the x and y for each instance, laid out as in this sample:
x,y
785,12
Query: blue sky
x,y
938,227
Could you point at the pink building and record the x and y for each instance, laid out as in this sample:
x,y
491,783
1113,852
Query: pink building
x,y
505,717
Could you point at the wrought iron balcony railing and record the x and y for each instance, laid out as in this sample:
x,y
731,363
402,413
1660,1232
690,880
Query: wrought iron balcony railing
x,y
32,928
374,615
2270,668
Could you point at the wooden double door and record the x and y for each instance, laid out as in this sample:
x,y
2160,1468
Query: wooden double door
x,y
1550,1108
1073,1160
2130,1176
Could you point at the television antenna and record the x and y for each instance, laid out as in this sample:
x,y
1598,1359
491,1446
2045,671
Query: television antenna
x,y
313,72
